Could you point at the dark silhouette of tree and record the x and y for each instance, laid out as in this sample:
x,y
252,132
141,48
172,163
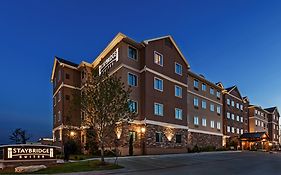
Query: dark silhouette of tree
x,y
19,136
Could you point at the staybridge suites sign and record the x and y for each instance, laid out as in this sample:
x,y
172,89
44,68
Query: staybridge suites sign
x,y
28,152
108,63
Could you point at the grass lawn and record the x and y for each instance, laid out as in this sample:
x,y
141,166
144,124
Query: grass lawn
x,y
81,166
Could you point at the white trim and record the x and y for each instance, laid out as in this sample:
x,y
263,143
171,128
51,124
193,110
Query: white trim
x,y
204,97
165,77
234,97
180,74
66,65
205,132
133,75
161,90
65,85
273,122
160,61
164,124
259,119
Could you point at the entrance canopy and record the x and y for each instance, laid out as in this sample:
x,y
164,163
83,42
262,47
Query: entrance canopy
x,y
254,136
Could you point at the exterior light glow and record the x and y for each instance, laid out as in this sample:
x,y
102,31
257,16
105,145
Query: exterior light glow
x,y
72,133
143,129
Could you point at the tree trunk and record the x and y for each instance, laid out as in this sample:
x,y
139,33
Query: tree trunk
x,y
102,152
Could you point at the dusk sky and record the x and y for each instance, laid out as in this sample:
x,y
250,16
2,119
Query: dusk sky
x,y
237,42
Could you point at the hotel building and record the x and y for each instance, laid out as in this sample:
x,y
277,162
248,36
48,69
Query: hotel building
x,y
258,119
204,106
235,114
273,124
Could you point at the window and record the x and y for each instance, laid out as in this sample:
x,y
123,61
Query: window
x,y
241,131
196,102
82,115
256,112
259,123
212,91
256,122
262,114
218,109
158,58
134,135
67,97
178,113
232,103
228,101
262,124
132,53
59,116
273,126
212,124
228,115
159,137
59,96
178,138
178,91
203,87
237,130
67,76
158,84
232,116
204,104
83,74
241,107
232,130
178,68
196,83
237,118
228,128
133,106
241,119
158,109
132,79
196,120
218,125
204,122
237,105
218,94
212,107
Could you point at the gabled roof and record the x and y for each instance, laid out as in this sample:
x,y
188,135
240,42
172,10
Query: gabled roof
x,y
219,84
246,99
174,43
62,61
254,135
272,109
232,88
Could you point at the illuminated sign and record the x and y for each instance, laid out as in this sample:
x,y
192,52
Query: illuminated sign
x,y
108,62
28,152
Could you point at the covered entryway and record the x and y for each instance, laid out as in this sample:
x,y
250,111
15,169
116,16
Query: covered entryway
x,y
255,141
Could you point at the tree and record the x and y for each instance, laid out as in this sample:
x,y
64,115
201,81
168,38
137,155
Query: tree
x,y
105,101
19,136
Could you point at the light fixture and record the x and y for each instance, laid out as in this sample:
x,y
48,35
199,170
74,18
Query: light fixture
x,y
143,129
72,133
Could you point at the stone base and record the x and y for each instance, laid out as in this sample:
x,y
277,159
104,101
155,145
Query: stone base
x,y
16,163
204,140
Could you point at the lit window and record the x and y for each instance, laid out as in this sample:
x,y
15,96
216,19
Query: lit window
x,y
178,68
203,87
218,94
158,58
232,130
178,113
232,103
158,109
218,109
204,104
238,118
241,119
204,122
132,53
133,106
256,122
212,91
159,137
158,84
196,102
237,105
212,107
228,128
259,123
196,120
232,116
218,125
178,91
212,124
237,130
196,83
228,115
241,131
228,101
132,79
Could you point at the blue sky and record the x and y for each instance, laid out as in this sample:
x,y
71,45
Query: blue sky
x,y
234,41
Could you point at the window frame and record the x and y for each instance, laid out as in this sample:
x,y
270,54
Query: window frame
x,y
156,78
155,52
176,63
158,109
129,46
130,73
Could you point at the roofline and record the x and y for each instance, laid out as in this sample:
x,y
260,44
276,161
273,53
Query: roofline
x,y
174,43
63,64
255,106
203,79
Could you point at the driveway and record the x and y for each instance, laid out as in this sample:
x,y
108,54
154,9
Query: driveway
x,y
248,163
